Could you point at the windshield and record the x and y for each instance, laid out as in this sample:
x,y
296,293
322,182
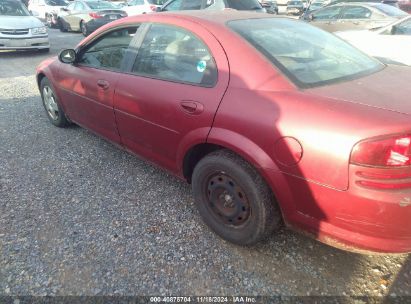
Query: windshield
x,y
101,5
56,2
307,55
389,10
13,8
244,5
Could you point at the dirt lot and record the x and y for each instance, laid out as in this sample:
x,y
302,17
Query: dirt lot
x,y
81,217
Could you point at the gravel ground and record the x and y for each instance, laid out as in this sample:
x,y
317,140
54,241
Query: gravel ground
x,y
81,217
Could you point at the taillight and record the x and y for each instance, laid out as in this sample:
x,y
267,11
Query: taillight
x,y
153,8
394,151
95,15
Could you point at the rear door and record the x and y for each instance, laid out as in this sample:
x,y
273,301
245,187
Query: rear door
x,y
172,92
354,17
87,87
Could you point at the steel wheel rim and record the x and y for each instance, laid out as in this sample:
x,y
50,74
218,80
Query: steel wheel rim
x,y
48,20
226,200
50,103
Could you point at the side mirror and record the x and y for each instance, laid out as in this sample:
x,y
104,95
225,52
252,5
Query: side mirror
x,y
68,56
311,17
64,9
158,9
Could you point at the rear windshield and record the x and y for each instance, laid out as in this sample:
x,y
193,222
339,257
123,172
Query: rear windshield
x,y
56,2
101,5
307,55
294,3
389,10
13,8
244,5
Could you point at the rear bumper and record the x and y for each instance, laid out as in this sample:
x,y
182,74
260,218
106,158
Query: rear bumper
x,y
358,219
24,43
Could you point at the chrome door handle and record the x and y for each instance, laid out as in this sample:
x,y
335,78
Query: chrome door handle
x,y
103,84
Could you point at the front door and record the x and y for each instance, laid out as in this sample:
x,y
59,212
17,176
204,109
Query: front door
x,y
87,87
172,92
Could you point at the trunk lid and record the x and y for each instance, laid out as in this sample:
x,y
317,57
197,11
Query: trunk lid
x,y
388,89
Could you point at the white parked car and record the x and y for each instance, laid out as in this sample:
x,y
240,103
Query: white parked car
x,y
390,44
137,7
19,29
47,10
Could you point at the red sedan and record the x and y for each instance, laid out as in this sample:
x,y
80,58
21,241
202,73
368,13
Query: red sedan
x,y
270,119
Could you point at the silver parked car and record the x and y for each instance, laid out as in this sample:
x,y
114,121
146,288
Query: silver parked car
x,y
354,16
19,30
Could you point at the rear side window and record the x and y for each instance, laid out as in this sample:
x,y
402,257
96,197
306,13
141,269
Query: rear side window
x,y
356,12
109,51
329,13
171,53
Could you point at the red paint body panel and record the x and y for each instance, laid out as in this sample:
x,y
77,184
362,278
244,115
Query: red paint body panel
x,y
85,102
252,108
150,113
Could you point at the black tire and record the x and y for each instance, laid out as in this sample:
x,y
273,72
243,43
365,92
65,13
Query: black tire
x,y
61,26
233,199
84,29
55,114
49,22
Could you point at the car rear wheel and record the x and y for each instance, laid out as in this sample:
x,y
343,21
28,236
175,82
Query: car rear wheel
x,y
61,25
49,20
233,199
54,111
84,29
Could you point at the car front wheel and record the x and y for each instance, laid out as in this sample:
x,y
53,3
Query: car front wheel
x,y
233,199
54,111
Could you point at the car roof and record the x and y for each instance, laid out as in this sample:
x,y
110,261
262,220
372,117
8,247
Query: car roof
x,y
216,17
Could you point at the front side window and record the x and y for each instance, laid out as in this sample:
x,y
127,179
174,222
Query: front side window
x,y
329,13
307,55
156,2
356,12
79,6
244,5
171,53
215,4
109,51
173,6
191,5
